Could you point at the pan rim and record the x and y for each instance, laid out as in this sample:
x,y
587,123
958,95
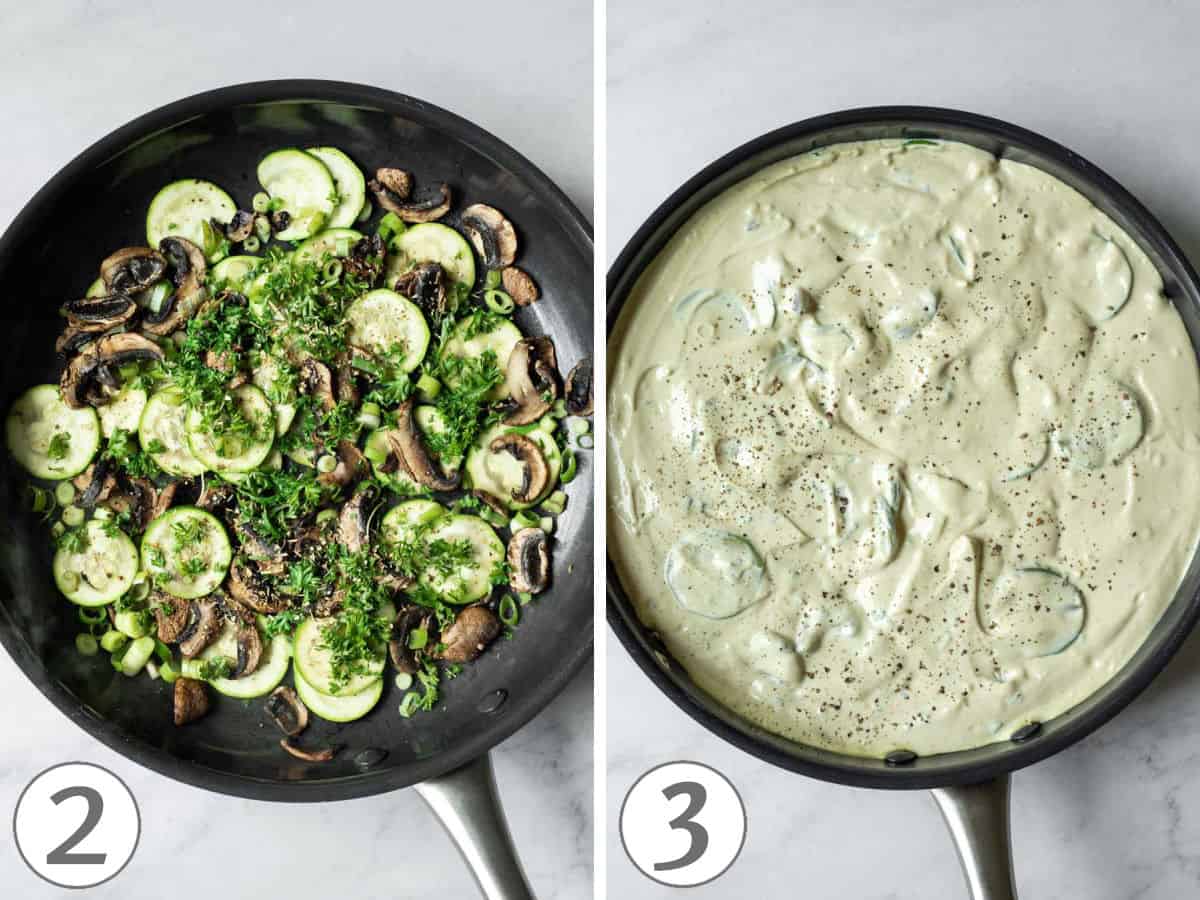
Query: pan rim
x,y
943,770
517,714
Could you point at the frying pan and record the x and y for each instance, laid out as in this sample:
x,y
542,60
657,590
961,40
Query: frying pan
x,y
51,252
972,786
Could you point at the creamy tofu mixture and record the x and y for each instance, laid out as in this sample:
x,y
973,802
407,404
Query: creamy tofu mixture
x,y
904,447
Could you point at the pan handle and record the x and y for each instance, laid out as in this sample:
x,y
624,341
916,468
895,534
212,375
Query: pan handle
x,y
466,803
977,816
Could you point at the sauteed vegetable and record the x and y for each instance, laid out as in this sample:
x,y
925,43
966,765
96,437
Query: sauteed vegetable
x,y
285,437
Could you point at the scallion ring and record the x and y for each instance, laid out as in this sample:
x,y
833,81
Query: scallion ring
x,y
510,613
498,302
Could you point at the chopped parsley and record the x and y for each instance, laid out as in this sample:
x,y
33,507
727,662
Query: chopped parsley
x,y
60,444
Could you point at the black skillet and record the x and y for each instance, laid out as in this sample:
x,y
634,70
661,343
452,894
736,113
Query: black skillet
x,y
971,787
51,252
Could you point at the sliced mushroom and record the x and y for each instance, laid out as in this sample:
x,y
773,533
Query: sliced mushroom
x,y
529,561
287,711
329,605
82,382
215,498
351,464
191,700
135,497
73,339
425,285
249,650
473,629
280,220
394,581
491,501
317,381
95,483
352,520
519,286
405,441
170,615
392,188
531,378
535,477
248,588
493,235
579,388
204,624
163,498
366,259
240,227
347,386
267,556
323,755
132,269
187,268
96,314
404,657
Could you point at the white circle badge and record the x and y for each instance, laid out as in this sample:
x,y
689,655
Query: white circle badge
x,y
76,825
683,824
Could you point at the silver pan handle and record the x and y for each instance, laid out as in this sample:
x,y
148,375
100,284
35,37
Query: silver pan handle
x,y
466,802
977,816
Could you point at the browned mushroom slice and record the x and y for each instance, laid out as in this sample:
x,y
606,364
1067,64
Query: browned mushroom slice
x,y
73,339
96,314
404,657
351,464
249,650
473,629
191,700
240,227
170,615
352,520
249,589
493,235
579,388
215,498
94,369
163,498
529,561
287,711
535,475
135,498
531,378
95,484
204,624
345,381
266,555
186,267
280,220
425,285
519,286
405,441
391,187
132,269
317,381
366,259
323,755
491,501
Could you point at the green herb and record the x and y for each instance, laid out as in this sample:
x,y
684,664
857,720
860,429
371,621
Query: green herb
x,y
187,531
217,667
59,445
73,540
123,450
480,321
271,500
284,622
464,406
193,568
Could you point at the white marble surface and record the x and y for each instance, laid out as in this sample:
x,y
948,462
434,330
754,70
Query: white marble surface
x,y
72,71
1118,816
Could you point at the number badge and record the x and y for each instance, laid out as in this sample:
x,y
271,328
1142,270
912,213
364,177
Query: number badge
x,y
683,824
76,825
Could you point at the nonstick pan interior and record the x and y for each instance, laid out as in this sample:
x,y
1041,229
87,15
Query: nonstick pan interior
x,y
1181,286
52,252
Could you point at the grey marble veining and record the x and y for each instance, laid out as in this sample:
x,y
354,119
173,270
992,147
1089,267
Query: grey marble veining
x,y
72,71
1118,816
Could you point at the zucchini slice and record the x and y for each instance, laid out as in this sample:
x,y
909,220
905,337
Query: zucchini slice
x,y
303,185
382,320
432,242
230,452
1035,611
402,521
334,241
500,474
186,209
500,340
47,437
101,571
267,375
123,411
162,434
349,182
1107,424
473,580
314,662
343,707
187,552
236,272
277,653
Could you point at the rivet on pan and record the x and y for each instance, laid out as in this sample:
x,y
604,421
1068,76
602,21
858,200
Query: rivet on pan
x,y
372,756
900,758
1025,732
493,701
